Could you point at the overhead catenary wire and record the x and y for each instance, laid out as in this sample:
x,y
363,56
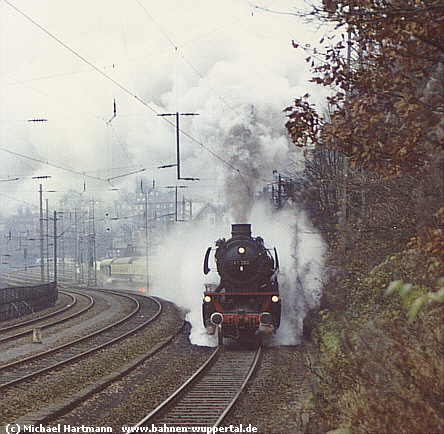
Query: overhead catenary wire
x,y
83,174
240,172
93,115
18,200
56,98
76,172
127,91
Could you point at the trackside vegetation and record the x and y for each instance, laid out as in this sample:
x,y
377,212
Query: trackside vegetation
x,y
373,186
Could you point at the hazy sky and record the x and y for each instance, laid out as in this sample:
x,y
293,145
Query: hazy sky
x,y
67,62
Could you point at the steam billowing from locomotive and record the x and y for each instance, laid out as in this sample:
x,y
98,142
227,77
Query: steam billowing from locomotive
x,y
245,304
176,269
253,146
245,154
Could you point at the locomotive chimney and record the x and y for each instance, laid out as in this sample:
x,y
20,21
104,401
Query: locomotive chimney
x,y
241,229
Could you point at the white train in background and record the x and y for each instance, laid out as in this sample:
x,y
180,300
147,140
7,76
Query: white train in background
x,y
130,269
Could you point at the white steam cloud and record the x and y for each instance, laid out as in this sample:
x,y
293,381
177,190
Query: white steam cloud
x,y
252,142
229,62
176,269
302,251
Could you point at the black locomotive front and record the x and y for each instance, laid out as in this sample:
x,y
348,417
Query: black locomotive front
x,y
246,301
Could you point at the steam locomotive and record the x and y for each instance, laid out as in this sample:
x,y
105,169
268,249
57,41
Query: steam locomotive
x,y
245,304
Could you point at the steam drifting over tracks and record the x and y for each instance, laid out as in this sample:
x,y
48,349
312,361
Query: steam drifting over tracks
x,y
207,397
145,309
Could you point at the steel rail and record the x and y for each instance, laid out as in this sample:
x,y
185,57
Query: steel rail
x,y
44,317
68,404
71,343
241,389
107,339
176,393
208,395
30,321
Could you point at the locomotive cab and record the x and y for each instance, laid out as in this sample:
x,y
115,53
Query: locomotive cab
x,y
246,301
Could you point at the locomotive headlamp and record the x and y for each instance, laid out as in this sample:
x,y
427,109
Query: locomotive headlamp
x,y
217,318
274,298
265,318
207,299
241,250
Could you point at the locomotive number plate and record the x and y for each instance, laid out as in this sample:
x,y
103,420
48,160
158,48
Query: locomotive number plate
x,y
241,262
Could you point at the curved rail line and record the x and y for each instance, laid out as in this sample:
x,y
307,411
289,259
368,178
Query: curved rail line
x,y
23,281
208,395
31,321
146,309
49,315
20,279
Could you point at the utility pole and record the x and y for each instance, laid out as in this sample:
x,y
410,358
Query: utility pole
x,y
48,279
55,247
145,212
76,250
42,259
176,207
177,115
343,194
145,218
92,272
61,246
42,250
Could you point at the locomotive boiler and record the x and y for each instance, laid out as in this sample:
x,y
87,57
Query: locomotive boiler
x,y
246,303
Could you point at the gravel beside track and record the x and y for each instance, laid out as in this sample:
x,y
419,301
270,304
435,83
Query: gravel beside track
x,y
62,301
48,390
106,309
127,401
277,400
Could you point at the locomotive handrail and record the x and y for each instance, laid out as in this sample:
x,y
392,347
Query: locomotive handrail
x,y
206,268
276,268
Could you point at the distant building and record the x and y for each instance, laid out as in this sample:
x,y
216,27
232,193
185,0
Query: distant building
x,y
211,216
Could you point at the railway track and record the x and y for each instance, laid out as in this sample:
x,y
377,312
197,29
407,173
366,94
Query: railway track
x,y
145,310
11,332
208,395
19,279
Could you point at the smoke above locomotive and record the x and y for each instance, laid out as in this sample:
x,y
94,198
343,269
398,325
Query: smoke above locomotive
x,y
245,305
